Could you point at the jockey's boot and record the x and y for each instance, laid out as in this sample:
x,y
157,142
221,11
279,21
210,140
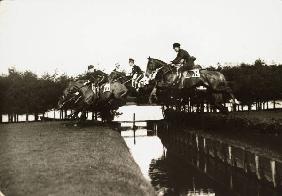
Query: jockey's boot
x,y
180,83
176,81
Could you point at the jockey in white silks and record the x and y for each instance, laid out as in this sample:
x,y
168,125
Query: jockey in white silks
x,y
136,73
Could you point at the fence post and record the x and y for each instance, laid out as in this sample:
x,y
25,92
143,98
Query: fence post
x,y
134,127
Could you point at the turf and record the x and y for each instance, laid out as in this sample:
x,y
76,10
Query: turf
x,y
275,115
51,158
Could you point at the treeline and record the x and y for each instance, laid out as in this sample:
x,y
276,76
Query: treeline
x,y
256,83
26,93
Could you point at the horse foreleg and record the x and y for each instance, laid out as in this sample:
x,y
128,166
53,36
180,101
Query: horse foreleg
x,y
152,94
73,115
83,116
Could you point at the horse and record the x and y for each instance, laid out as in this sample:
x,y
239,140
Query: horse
x,y
126,80
77,96
166,76
120,77
84,95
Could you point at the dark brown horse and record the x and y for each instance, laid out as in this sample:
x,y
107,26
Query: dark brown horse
x,y
166,76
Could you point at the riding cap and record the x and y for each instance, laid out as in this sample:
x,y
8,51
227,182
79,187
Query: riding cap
x,y
176,45
131,60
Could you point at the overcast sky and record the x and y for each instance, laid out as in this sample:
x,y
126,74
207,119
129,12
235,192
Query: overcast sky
x,y
67,35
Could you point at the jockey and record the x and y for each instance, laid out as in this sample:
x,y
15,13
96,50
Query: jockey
x,y
119,69
136,73
95,76
184,61
182,55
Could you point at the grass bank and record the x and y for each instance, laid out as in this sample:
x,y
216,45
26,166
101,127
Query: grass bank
x,y
52,158
263,122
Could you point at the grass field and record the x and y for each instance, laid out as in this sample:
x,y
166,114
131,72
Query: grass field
x,y
52,158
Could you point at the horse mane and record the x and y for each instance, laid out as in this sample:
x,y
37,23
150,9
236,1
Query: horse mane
x,y
159,61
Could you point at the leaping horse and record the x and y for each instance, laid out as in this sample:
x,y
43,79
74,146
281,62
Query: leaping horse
x,y
166,75
84,95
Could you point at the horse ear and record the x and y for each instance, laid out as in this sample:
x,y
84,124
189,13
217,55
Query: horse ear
x,y
149,58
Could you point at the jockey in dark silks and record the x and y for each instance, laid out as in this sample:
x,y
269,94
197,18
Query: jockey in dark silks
x,y
184,61
96,77
136,73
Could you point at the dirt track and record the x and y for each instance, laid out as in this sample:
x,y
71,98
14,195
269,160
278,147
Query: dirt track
x,y
51,158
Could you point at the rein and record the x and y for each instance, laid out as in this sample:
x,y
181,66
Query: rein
x,y
160,68
156,71
127,81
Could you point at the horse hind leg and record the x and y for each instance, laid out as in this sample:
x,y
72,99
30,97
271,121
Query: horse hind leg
x,y
233,101
229,92
221,108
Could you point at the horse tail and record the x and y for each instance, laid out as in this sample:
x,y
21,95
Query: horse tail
x,y
215,81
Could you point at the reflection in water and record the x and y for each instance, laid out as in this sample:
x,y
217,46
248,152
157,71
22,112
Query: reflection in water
x,y
168,175
231,169
185,163
145,149
172,176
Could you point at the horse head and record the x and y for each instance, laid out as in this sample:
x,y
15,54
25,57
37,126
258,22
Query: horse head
x,y
153,65
69,90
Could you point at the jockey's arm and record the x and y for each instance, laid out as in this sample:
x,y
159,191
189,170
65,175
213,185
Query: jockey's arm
x,y
181,62
178,58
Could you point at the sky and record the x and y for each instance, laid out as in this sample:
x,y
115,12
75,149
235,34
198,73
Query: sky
x,y
68,35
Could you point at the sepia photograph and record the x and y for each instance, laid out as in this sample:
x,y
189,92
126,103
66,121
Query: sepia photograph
x,y
141,98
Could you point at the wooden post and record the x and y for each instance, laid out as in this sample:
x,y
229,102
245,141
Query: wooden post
x,y
96,116
36,116
134,128
204,144
273,172
230,154
257,167
197,142
231,181
92,117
